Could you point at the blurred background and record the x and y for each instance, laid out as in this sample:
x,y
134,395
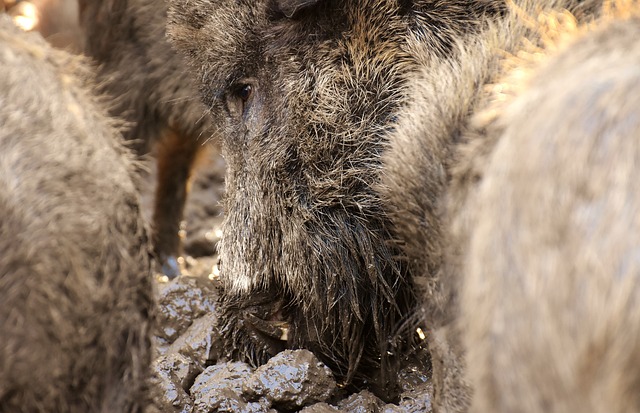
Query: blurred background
x,y
57,20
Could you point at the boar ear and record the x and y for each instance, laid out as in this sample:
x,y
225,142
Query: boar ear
x,y
290,7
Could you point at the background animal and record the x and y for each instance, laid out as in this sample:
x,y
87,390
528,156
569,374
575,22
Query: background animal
x,y
427,149
154,93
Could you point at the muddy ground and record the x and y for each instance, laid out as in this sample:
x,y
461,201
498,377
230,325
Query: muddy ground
x,y
189,372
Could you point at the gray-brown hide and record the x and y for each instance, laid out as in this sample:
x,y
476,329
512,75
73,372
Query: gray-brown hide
x,y
422,155
156,95
551,270
75,281
310,91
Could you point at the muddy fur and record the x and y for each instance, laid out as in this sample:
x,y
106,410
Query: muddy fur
x,y
551,287
306,238
75,283
155,94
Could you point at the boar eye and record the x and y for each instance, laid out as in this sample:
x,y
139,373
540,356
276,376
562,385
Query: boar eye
x,y
239,98
245,93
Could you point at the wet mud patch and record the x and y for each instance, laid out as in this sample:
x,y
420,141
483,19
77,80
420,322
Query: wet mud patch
x,y
190,377
291,380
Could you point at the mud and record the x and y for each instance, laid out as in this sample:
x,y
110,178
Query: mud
x,y
181,302
189,376
173,375
291,380
188,381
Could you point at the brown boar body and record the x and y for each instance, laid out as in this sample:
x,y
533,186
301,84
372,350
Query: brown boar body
x,y
155,94
75,282
427,148
550,298
309,92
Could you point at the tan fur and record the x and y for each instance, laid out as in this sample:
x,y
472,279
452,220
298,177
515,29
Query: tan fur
x,y
550,275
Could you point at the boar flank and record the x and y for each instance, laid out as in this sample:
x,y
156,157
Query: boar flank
x,y
550,298
75,281
427,147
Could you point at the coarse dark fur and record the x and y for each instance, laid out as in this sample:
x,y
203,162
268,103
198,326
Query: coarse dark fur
x,y
550,298
309,102
156,95
75,281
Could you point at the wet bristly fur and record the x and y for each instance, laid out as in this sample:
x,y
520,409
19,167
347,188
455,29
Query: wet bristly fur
x,y
306,238
155,94
550,298
75,283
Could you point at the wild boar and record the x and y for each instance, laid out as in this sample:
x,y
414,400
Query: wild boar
x,y
550,277
308,93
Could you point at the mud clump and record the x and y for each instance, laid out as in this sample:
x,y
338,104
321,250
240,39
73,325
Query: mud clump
x,y
173,375
76,294
182,301
155,94
415,400
290,380
320,408
362,402
219,388
200,342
